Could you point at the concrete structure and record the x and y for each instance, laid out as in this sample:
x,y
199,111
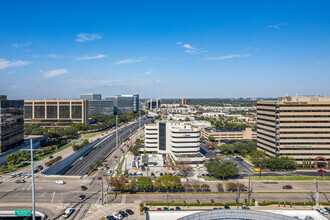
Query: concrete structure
x,y
56,113
228,135
252,214
178,140
201,123
153,160
298,127
183,101
11,123
177,117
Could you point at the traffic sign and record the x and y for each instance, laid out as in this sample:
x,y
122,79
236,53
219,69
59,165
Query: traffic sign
x,y
23,212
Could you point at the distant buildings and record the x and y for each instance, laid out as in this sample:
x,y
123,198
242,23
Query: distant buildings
x,y
55,113
229,135
182,101
154,104
298,127
178,140
226,108
125,104
11,123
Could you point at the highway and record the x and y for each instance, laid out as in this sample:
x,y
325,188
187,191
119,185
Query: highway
x,y
102,150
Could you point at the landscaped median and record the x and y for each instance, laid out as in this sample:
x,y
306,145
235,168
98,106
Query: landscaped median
x,y
318,178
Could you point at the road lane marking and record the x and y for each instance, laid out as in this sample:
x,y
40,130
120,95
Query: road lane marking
x,y
53,197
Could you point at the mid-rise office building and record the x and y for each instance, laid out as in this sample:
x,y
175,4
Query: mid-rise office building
x,y
127,104
91,96
178,140
229,134
183,101
154,104
11,123
56,113
298,127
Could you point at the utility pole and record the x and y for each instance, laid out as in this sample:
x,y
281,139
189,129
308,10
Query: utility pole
x,y
249,195
316,193
140,119
33,194
237,194
116,130
102,190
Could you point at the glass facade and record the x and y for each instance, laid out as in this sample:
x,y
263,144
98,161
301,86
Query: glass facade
x,y
101,107
162,136
11,124
125,104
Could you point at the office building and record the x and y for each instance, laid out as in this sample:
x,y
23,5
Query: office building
x,y
56,113
229,134
298,127
182,101
154,104
91,96
180,141
127,104
11,123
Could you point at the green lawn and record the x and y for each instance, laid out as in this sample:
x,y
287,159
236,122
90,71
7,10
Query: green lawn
x,y
289,178
89,135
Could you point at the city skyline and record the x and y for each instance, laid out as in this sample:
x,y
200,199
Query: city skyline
x,y
178,49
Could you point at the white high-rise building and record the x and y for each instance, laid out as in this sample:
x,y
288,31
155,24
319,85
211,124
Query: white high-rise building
x,y
178,140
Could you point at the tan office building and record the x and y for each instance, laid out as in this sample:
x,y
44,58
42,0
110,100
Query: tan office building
x,y
228,135
298,127
56,113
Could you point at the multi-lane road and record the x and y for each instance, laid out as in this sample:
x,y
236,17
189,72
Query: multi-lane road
x,y
101,151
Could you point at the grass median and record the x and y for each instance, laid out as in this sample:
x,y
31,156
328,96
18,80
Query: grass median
x,y
319,178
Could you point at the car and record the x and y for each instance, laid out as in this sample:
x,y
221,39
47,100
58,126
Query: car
x,y
115,157
117,216
320,210
109,171
159,209
152,174
165,208
325,212
35,171
126,181
177,208
130,212
60,182
161,174
215,208
83,188
68,212
328,209
227,207
123,213
245,207
130,174
19,174
287,187
134,174
172,209
13,175
309,217
40,167
50,157
111,218
81,197
20,181
99,178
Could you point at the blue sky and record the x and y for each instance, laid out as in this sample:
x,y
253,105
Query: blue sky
x,y
197,49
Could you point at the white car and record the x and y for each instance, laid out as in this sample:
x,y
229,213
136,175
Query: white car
x,y
325,212
109,171
60,182
68,212
117,216
13,175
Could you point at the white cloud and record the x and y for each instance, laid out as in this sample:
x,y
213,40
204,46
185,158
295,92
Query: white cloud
x,y
83,37
86,57
6,63
128,61
148,72
231,56
179,43
277,25
17,45
53,55
191,49
53,73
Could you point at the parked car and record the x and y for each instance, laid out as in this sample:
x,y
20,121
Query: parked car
x,y
99,178
123,213
287,187
60,182
227,207
111,218
117,216
325,212
161,174
20,174
159,209
50,157
109,171
165,208
130,212
83,188
177,208
68,212
13,175
81,197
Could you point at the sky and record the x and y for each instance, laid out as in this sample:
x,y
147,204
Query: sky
x,y
165,48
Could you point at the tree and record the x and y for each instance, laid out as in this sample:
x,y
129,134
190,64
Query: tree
x,y
144,183
184,168
196,187
211,138
221,168
220,187
205,187
187,186
168,182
